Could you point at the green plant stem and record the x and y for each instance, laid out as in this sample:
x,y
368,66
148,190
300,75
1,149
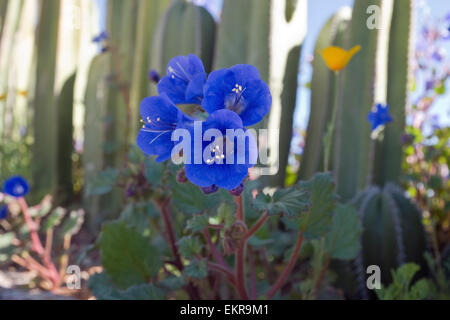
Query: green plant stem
x,y
328,138
240,254
274,289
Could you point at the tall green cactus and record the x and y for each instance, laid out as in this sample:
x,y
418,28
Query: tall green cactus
x,y
283,78
323,92
3,11
94,132
185,28
393,231
388,168
148,15
65,139
241,34
352,135
44,122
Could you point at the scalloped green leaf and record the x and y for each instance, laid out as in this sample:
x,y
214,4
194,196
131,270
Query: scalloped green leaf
x,y
289,201
189,246
127,256
317,220
342,242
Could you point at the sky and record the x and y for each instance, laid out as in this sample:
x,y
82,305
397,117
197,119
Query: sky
x,y
318,13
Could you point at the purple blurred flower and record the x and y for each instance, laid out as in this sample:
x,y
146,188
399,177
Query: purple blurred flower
x,y
153,75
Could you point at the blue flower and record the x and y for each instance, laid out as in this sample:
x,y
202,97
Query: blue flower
x,y
239,89
184,81
379,116
160,118
3,212
16,187
225,165
101,37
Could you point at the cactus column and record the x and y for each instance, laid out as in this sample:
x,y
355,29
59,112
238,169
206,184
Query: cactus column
x,y
352,135
390,151
323,91
44,122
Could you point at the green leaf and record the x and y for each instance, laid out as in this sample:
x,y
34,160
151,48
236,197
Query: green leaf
x,y
289,201
342,242
317,220
54,219
190,199
73,223
127,256
197,269
103,182
401,289
6,240
42,209
100,285
189,246
154,171
225,213
197,223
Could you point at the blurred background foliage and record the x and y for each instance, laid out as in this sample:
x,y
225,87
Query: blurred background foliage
x,y
73,72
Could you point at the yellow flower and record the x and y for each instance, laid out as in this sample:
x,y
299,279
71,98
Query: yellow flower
x,y
337,58
3,96
22,93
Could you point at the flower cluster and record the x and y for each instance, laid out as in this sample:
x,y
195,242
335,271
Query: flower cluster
x,y
233,98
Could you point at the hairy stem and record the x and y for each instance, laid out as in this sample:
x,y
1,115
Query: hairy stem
x,y
258,224
240,254
167,218
287,271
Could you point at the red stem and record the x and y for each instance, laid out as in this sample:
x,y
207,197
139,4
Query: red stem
x,y
216,254
167,218
256,226
37,244
240,255
253,291
287,269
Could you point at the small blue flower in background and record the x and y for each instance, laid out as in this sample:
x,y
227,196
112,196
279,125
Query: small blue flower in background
x,y
218,172
184,81
239,89
379,116
103,36
16,187
160,118
3,212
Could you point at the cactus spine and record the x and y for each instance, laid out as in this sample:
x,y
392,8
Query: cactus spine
x,y
44,122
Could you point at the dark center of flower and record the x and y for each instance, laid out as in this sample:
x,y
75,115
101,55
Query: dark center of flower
x,y
235,101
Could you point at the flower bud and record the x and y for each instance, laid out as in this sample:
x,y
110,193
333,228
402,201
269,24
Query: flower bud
x,y
181,176
237,191
210,189
153,76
